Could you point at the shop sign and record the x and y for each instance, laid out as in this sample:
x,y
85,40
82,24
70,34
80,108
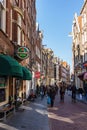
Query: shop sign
x,y
37,74
22,53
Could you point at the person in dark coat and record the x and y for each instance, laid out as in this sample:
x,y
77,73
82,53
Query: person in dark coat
x,y
73,89
62,91
56,88
51,93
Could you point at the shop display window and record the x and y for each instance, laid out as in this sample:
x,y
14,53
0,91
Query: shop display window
x,y
3,83
2,95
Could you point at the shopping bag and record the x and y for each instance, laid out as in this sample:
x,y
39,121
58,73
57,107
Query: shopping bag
x,y
48,100
80,96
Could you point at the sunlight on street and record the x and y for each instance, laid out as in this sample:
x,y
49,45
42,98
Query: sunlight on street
x,y
60,118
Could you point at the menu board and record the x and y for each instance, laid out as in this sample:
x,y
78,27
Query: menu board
x,y
2,95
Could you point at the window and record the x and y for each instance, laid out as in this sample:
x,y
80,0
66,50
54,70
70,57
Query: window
x,y
11,25
2,2
23,5
37,52
19,29
19,36
2,95
2,15
3,83
19,20
23,39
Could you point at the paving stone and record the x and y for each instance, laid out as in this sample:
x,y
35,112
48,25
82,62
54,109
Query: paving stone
x,y
37,116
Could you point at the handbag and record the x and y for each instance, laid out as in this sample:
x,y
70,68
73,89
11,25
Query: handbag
x,y
48,100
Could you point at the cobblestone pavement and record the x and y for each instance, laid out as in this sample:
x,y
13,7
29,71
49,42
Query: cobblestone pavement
x,y
68,115
34,117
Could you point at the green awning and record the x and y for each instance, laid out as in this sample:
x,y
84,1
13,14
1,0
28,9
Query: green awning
x,y
10,67
26,74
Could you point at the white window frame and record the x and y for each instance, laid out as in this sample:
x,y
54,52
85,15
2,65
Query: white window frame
x,y
19,21
23,40
18,35
3,15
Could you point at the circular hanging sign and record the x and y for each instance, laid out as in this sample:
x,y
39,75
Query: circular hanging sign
x,y
22,53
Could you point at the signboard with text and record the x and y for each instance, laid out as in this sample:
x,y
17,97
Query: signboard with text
x,y
37,74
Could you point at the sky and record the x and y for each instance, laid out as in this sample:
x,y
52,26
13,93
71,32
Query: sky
x,y
55,19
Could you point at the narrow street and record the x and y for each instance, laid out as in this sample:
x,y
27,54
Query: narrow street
x,y
67,116
34,117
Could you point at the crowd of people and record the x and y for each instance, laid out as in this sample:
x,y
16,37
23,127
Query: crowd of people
x,y
52,90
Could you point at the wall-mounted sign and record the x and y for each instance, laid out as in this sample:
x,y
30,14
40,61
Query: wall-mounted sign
x,y
37,75
22,53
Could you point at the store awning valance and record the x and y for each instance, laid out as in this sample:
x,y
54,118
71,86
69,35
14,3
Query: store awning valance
x,y
26,74
10,67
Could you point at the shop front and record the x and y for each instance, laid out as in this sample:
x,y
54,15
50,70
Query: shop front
x,y
13,78
3,89
10,69
27,79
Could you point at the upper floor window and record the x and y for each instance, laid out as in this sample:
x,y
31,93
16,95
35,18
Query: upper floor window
x,y
23,40
23,5
83,19
2,15
19,35
19,20
19,29
17,1
2,2
37,52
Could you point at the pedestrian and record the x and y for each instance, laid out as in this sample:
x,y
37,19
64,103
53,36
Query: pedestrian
x,y
56,88
73,89
80,92
42,91
37,89
51,93
62,91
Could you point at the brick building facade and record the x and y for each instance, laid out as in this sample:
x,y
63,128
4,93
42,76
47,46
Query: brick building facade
x,y
17,34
